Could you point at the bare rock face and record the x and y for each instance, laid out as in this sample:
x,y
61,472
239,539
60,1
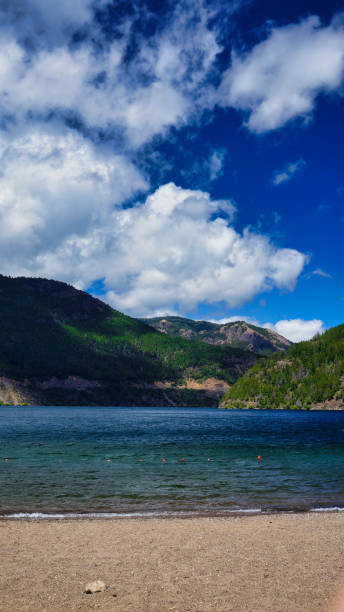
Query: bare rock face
x,y
97,586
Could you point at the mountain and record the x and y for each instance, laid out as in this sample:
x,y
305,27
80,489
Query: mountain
x,y
61,346
309,375
238,334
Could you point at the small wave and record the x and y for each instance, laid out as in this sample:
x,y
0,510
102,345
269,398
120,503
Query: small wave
x,y
329,509
162,514
73,515
111,515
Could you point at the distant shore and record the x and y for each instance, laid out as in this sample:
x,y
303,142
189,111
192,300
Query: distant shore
x,y
266,563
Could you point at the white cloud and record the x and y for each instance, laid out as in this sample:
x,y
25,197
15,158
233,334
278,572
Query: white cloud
x,y
173,252
62,191
168,79
215,163
162,85
48,22
64,80
318,272
234,319
64,219
66,186
280,78
297,330
282,176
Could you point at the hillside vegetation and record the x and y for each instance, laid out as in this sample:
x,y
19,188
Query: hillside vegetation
x,y
309,375
59,345
237,334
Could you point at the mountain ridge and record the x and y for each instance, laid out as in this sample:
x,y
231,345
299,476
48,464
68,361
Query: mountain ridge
x,y
238,334
60,345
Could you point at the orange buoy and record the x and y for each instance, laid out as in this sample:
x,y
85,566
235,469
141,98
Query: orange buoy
x,y
141,460
259,457
209,459
183,459
164,460
6,459
108,460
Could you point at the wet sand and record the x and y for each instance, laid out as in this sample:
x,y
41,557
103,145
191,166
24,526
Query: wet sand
x,y
278,563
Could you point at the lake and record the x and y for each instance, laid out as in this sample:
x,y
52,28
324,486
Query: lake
x,y
167,461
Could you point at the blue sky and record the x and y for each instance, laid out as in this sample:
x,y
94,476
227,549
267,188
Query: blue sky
x,y
177,157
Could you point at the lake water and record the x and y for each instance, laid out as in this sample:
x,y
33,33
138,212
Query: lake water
x,y
167,461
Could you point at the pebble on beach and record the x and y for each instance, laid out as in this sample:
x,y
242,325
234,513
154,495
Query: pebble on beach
x,y
95,587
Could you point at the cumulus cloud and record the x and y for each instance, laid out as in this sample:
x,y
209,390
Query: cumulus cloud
x,y
139,94
64,219
172,250
66,186
280,78
140,90
297,330
282,176
64,81
176,250
63,190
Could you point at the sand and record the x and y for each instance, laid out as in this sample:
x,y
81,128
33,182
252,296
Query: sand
x,y
276,563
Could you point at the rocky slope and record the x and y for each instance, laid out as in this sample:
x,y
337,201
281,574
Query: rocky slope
x,y
61,346
238,334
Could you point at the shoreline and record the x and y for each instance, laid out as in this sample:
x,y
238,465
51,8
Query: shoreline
x,y
326,406
281,562
39,515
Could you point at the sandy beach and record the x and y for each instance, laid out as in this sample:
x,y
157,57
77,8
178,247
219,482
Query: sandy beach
x,y
277,563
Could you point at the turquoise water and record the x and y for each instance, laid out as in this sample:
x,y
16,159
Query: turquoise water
x,y
57,460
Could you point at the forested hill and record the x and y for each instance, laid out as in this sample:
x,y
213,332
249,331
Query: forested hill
x,y
237,334
59,346
309,375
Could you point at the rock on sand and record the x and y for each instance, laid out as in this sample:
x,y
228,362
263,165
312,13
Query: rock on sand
x,y
95,587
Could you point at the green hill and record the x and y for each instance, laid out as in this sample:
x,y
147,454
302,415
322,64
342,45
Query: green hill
x,y
237,334
309,375
59,346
